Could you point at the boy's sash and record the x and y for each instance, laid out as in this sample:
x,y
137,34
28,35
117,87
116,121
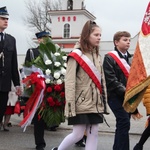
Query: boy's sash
x,y
88,67
124,66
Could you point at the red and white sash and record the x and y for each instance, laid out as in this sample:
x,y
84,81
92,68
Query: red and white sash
x,y
88,67
124,66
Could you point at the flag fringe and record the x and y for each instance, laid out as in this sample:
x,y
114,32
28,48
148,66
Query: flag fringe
x,y
140,90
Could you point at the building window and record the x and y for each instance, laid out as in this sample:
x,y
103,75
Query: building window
x,y
82,5
67,30
70,5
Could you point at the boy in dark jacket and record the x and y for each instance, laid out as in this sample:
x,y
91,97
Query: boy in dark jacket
x,y
116,68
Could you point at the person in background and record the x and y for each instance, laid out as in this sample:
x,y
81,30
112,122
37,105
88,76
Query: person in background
x,y
116,79
12,99
39,125
8,64
86,98
146,133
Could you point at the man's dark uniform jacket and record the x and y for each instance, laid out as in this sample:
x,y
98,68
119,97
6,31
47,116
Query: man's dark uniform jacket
x,y
8,70
39,125
31,54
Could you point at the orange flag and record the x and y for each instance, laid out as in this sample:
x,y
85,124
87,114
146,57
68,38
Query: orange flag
x,y
139,75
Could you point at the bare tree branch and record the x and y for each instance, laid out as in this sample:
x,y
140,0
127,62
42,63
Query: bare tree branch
x,y
38,18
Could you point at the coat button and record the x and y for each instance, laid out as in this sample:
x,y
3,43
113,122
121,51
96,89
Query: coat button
x,y
82,98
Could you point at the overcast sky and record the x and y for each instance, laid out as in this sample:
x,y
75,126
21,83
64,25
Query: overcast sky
x,y
112,16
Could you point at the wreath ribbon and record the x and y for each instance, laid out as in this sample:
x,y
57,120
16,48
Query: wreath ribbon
x,y
35,99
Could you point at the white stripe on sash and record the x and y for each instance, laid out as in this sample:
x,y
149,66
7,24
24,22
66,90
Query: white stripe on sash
x,y
123,61
89,63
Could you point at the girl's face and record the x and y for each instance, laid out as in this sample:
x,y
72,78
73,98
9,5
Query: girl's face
x,y
95,37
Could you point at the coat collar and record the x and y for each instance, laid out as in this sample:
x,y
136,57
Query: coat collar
x,y
128,55
119,53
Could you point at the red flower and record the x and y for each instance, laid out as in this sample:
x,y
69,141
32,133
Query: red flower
x,y
57,103
49,89
62,94
50,101
57,88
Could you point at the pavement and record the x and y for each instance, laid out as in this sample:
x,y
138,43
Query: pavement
x,y
16,139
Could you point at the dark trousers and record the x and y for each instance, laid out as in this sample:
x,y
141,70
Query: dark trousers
x,y
121,141
145,135
3,104
39,127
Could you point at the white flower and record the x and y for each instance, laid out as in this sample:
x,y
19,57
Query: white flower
x,y
64,57
47,80
57,54
65,64
47,72
63,71
48,62
56,75
57,64
59,81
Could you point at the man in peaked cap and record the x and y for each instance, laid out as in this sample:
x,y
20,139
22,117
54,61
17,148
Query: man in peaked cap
x,y
43,34
39,125
8,64
32,53
3,12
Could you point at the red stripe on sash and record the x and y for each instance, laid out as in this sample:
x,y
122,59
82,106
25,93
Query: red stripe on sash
x,y
122,67
87,69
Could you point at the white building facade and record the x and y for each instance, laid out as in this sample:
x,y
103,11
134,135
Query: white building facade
x,y
67,25
68,22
